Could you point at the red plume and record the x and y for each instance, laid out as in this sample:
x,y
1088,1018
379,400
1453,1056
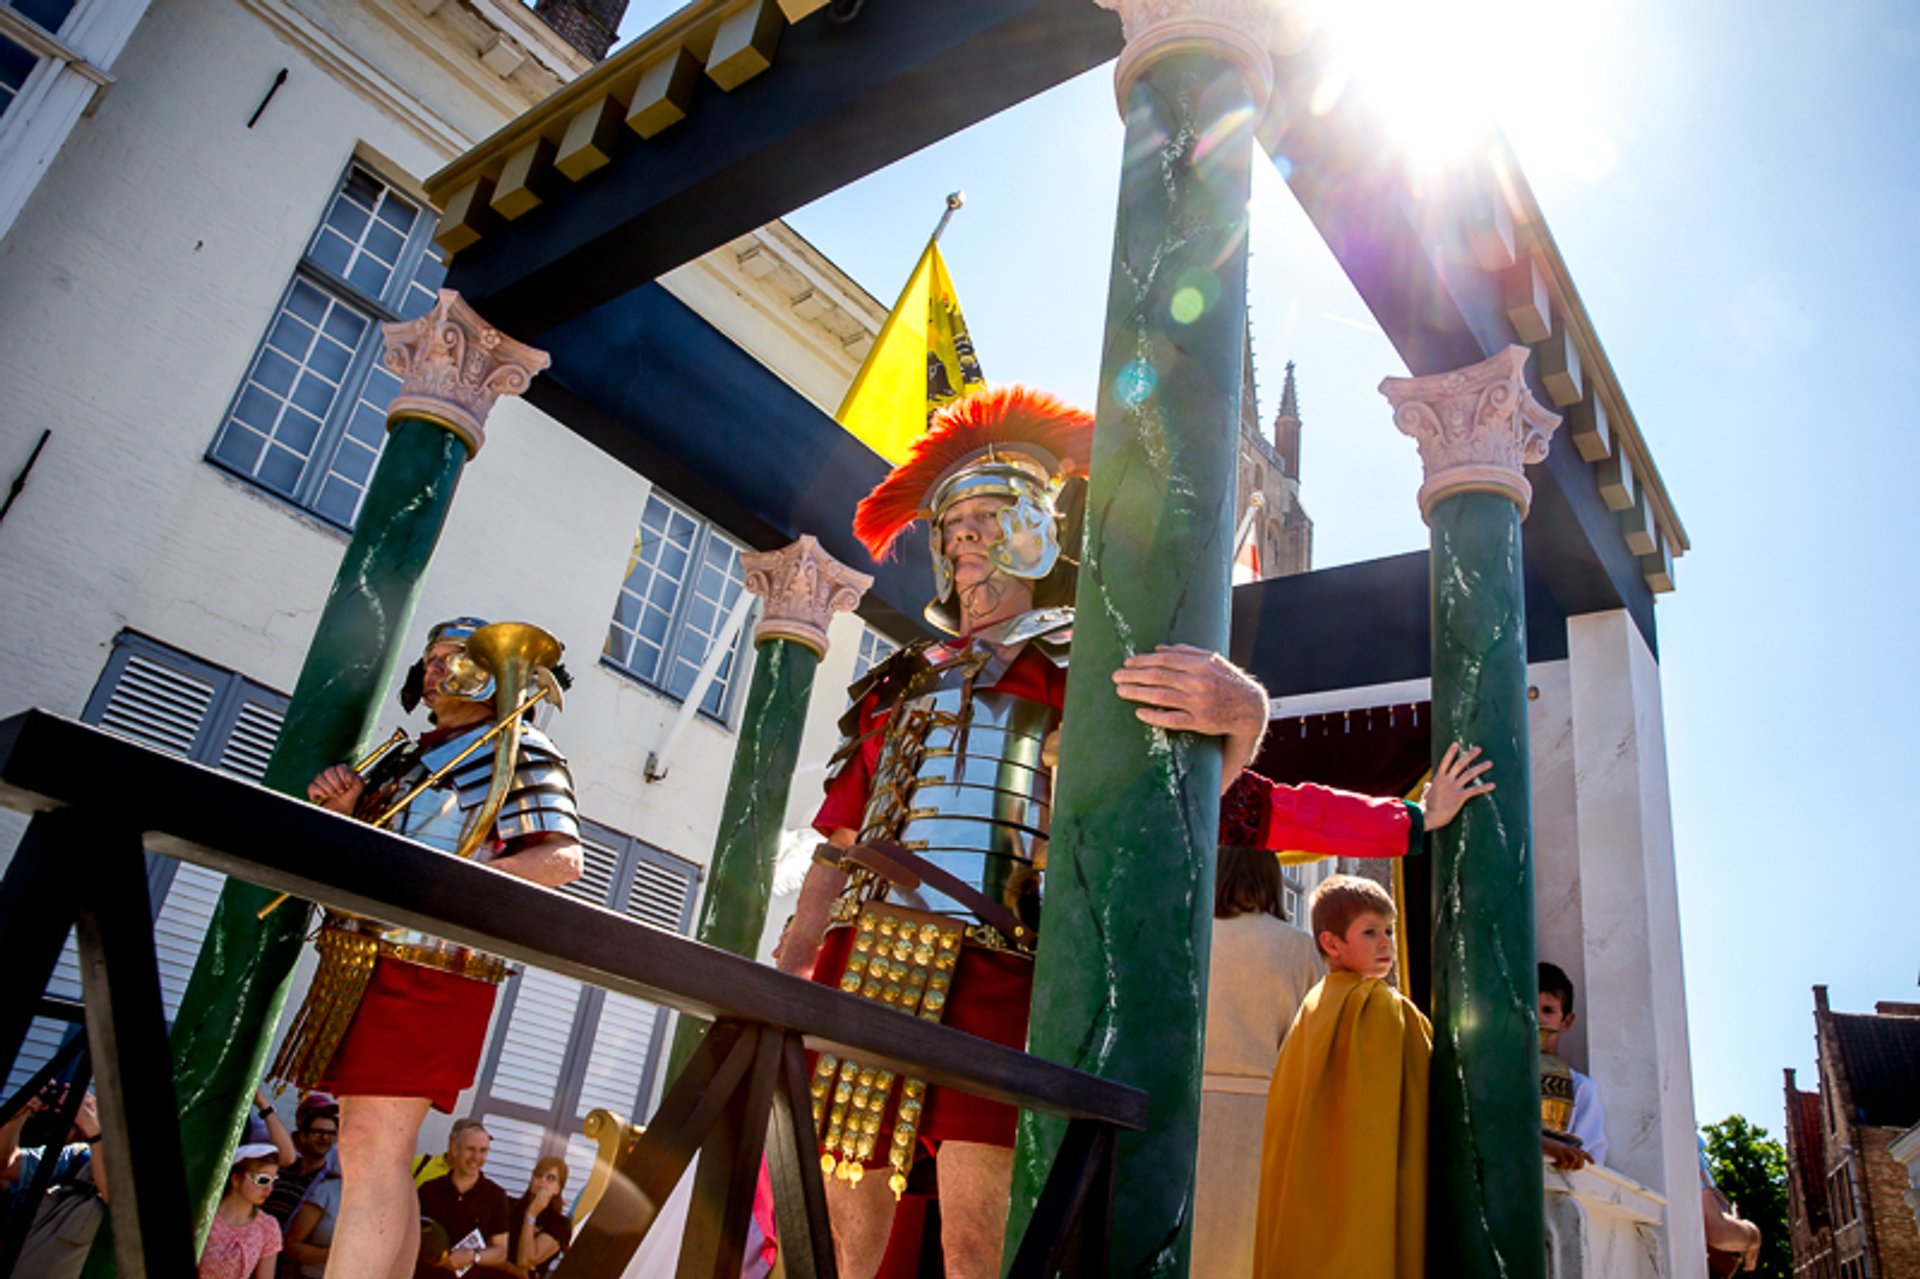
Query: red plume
x,y
961,432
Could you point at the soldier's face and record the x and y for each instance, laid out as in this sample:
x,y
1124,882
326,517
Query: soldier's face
x,y
967,529
436,673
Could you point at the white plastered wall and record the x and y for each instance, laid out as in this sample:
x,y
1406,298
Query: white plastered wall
x,y
138,282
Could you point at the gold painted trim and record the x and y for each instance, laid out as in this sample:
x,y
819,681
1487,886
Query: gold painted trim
x,y
691,28
1535,238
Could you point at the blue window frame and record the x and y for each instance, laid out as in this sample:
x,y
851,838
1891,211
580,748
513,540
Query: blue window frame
x,y
682,580
310,417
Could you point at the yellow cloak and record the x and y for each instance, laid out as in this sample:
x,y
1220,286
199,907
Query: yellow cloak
x,y
1343,1170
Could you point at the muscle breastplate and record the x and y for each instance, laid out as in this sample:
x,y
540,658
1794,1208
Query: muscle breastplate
x,y
540,798
960,783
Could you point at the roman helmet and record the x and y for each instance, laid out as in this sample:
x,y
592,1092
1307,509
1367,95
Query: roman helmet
x,y
1011,442
465,679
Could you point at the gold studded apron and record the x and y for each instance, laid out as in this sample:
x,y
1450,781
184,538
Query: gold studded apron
x,y
960,783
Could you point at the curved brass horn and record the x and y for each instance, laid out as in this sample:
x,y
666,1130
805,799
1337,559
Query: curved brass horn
x,y
515,654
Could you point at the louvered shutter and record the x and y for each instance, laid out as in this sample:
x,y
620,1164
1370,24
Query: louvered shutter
x,y
625,1047
562,1049
171,701
524,1084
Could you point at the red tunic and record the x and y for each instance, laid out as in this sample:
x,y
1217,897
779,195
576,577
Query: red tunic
x,y
418,1032
992,990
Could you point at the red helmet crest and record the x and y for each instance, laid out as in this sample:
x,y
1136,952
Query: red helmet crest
x,y
1010,419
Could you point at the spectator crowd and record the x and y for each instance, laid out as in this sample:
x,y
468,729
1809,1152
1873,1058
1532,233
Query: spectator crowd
x,y
277,1216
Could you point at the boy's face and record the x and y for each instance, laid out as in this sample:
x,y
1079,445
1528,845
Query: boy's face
x,y
1366,950
1553,1020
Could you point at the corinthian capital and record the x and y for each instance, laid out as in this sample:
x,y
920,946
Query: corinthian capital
x,y
1242,31
803,587
1476,427
453,365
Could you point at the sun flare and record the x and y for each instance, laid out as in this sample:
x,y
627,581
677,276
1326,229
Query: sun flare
x,y
1443,73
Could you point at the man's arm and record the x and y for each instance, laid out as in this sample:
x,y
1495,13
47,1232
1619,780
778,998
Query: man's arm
x,y
552,859
13,1164
1727,1232
818,891
1182,687
495,1253
87,1120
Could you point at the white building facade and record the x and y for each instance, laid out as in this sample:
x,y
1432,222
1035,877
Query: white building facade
x,y
194,282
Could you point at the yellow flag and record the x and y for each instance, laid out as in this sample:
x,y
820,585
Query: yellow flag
x,y
922,359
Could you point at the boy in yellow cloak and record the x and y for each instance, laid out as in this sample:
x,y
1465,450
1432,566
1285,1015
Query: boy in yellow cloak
x,y
1343,1171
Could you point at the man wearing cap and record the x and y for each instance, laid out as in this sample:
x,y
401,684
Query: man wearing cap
x,y
395,1021
927,893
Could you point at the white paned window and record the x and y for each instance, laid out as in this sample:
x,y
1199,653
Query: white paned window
x,y
174,702
682,580
17,62
875,648
310,417
561,1048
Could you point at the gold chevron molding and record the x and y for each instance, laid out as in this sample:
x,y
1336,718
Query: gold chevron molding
x,y
645,88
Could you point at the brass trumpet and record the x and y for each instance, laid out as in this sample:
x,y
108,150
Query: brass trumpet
x,y
515,655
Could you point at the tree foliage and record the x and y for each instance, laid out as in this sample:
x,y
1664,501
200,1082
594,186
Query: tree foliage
x,y
1751,1169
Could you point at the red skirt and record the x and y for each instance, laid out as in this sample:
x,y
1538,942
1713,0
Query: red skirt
x,y
419,1032
990,997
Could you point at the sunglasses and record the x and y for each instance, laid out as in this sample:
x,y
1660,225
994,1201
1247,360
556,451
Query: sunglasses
x,y
260,1178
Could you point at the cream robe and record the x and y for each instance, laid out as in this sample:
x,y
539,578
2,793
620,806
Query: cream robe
x,y
1261,969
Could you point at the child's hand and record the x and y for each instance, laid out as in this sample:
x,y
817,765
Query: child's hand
x,y
1564,1157
1454,782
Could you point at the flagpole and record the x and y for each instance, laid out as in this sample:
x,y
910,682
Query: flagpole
x,y
954,201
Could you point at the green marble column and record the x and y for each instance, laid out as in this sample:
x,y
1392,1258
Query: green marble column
x,y
1485,1193
803,587
233,1000
1120,983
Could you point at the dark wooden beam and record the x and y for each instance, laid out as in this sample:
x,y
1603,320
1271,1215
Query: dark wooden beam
x,y
1359,624
842,100
207,817
659,389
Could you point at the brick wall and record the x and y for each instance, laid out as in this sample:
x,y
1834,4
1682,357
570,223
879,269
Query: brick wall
x,y
1896,1239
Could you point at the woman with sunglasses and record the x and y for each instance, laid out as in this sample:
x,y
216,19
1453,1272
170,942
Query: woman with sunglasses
x,y
244,1240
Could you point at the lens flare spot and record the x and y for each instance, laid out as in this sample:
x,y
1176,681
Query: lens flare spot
x,y
1194,294
1135,383
1234,124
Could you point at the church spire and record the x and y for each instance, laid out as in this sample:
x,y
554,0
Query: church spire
x,y
1286,426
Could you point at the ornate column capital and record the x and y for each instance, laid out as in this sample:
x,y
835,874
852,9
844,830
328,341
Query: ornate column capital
x,y
1476,427
1243,32
453,365
803,587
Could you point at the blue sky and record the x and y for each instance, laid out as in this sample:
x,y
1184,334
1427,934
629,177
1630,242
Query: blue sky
x,y
1736,190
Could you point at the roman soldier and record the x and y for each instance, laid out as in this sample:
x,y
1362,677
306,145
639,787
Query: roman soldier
x,y
927,895
395,1020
